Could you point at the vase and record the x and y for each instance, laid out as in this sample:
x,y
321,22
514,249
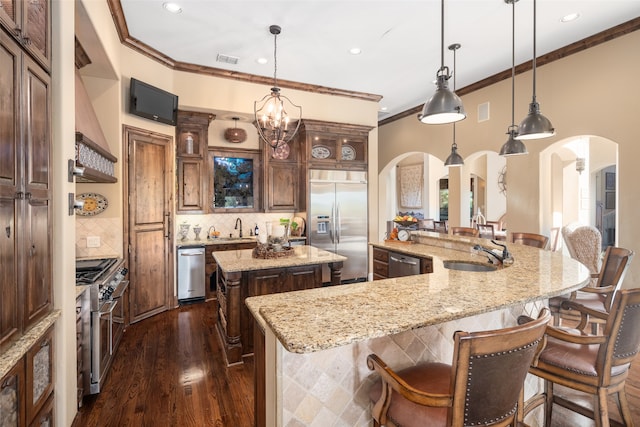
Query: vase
x,y
196,231
184,230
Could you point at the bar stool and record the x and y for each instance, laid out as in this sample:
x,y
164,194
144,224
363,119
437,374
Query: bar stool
x,y
464,231
438,394
530,239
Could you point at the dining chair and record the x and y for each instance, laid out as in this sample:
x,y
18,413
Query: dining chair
x,y
464,231
486,231
426,224
497,225
584,244
441,226
530,239
473,390
593,364
599,297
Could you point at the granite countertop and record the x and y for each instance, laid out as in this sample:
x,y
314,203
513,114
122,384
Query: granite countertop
x,y
242,259
14,353
318,319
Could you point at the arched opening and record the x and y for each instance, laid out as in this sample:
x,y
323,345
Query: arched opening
x,y
443,193
578,184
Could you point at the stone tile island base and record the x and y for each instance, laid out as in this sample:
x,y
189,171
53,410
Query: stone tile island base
x,y
329,387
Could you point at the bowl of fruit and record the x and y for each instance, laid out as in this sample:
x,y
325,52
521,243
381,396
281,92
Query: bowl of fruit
x,y
405,220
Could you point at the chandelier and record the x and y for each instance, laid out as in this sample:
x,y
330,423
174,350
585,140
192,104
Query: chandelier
x,y
274,124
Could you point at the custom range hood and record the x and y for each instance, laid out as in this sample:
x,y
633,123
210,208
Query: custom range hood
x,y
93,161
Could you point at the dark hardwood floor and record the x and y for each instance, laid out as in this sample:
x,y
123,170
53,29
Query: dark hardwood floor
x,y
169,371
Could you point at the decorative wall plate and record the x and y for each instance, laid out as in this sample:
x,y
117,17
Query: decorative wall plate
x,y
93,204
348,152
282,152
320,152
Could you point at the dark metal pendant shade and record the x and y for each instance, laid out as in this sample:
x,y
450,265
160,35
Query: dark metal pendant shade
x,y
513,147
444,106
454,158
535,125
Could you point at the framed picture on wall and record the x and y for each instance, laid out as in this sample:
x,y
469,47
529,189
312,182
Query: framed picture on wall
x,y
609,181
610,200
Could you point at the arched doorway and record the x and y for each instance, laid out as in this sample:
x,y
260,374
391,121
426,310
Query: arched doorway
x,y
578,184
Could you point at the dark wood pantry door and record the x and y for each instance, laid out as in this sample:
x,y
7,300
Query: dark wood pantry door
x,y
148,212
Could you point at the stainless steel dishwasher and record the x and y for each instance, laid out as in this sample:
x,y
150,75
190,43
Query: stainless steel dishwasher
x,y
403,265
191,274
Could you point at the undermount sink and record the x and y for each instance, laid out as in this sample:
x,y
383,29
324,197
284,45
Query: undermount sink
x,y
469,266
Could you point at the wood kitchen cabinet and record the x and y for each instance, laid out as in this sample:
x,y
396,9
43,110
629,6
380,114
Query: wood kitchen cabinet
x,y
26,391
335,145
381,264
25,191
235,323
29,24
285,177
39,375
12,396
192,136
210,266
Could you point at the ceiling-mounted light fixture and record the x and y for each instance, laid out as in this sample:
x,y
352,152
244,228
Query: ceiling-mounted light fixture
x,y
513,147
275,126
535,125
235,134
454,158
444,106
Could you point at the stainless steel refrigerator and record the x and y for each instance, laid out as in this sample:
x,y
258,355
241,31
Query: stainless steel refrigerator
x,y
338,219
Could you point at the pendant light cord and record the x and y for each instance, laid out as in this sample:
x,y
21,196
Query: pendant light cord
x,y
275,60
455,71
442,34
513,62
534,50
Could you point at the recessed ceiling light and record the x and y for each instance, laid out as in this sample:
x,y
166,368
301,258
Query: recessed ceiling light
x,y
172,7
355,51
262,61
570,17
383,108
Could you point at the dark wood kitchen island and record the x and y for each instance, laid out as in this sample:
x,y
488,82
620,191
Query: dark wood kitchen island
x,y
241,276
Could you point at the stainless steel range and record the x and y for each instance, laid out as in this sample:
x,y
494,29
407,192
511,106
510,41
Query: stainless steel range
x,y
105,276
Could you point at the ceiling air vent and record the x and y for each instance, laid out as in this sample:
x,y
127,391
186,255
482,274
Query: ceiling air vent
x,y
227,59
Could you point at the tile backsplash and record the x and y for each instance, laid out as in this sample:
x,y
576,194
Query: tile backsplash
x,y
108,233
225,223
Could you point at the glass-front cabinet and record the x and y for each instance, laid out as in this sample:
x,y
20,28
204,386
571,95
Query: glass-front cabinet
x,y
339,145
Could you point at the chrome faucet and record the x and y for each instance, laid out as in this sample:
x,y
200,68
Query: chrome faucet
x,y
238,220
505,259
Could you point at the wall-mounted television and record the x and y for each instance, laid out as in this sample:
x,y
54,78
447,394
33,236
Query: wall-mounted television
x,y
152,103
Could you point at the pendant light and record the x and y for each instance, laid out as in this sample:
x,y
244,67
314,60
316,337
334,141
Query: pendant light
x,y
444,106
513,147
235,134
535,125
275,127
454,158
